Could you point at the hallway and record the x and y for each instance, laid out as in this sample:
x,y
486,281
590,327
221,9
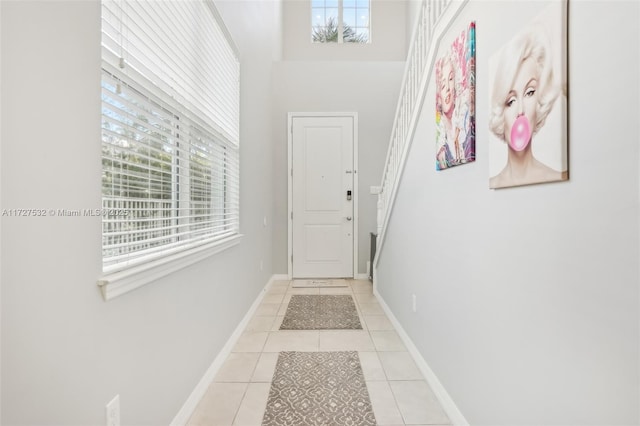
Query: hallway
x,y
522,305
398,392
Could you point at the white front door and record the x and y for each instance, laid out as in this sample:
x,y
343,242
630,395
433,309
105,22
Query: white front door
x,y
322,193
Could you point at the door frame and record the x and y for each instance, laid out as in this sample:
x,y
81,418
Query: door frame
x,y
355,197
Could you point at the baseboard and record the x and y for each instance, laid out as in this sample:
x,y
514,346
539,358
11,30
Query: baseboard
x,y
361,277
182,418
456,417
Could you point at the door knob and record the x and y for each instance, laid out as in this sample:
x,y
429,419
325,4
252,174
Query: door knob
x,y
348,217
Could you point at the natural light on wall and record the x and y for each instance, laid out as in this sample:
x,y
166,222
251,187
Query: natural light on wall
x,y
170,133
340,21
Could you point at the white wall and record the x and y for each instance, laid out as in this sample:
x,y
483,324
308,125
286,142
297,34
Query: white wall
x,y
339,78
65,352
528,298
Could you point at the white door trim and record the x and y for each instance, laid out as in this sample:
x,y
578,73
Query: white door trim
x,y
291,115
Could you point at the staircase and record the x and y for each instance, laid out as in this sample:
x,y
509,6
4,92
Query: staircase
x,y
433,20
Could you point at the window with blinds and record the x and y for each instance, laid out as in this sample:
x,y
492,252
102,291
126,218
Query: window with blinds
x,y
170,130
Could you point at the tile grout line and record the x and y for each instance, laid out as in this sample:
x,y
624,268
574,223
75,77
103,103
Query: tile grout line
x,y
269,331
377,352
235,416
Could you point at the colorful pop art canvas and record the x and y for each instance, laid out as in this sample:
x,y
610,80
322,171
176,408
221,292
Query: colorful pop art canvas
x,y
455,102
528,101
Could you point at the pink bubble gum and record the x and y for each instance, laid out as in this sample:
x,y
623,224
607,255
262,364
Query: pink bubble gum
x,y
520,133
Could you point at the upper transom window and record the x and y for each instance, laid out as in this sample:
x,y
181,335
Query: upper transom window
x,y
340,21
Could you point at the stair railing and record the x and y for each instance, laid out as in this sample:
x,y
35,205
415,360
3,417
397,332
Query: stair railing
x,y
414,84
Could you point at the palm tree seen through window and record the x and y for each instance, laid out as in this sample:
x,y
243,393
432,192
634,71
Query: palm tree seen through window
x,y
340,21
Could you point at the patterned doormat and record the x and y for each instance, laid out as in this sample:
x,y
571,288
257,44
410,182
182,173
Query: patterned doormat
x,y
321,312
318,283
318,388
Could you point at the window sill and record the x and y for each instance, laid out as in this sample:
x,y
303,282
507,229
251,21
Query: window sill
x,y
118,283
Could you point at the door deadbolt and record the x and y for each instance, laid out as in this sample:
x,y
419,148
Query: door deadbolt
x,y
349,195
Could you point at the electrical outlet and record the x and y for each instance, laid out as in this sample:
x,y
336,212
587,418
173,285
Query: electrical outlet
x,y
113,412
414,303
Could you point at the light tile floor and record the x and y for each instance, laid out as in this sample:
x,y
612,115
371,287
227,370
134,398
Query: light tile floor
x,y
398,392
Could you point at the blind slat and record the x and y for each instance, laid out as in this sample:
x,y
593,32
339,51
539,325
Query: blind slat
x,y
170,129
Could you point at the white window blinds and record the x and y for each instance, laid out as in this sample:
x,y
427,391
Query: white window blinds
x,y
170,130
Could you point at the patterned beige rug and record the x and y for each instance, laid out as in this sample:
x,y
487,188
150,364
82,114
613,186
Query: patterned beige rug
x,y
318,388
321,312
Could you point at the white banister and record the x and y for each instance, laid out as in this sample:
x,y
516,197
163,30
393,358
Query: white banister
x,y
420,59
